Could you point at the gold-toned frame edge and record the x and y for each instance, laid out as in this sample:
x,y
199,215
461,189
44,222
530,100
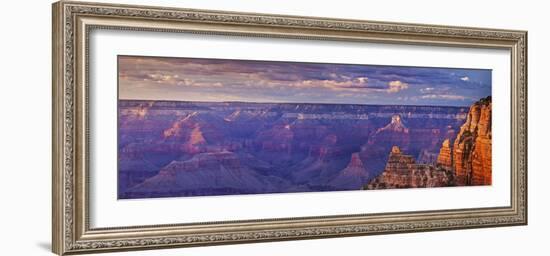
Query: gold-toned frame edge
x,y
71,232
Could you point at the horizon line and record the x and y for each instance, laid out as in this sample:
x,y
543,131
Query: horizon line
x,y
312,103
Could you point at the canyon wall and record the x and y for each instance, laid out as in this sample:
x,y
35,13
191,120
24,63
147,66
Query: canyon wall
x,y
472,149
171,148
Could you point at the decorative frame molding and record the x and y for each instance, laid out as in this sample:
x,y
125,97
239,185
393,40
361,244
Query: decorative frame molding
x,y
72,22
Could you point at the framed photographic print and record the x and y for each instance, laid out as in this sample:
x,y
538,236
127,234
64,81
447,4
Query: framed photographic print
x,y
178,127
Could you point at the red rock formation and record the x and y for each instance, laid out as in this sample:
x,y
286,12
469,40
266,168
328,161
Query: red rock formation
x,y
196,136
444,158
403,172
472,147
395,125
399,163
394,133
178,128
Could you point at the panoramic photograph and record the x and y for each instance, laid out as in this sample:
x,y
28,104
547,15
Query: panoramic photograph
x,y
210,127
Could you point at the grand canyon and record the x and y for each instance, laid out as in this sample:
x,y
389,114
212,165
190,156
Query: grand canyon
x,y
183,148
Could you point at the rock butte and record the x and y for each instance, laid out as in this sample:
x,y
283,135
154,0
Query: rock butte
x,y
403,172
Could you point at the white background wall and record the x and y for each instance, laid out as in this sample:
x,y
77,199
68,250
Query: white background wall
x,y
25,148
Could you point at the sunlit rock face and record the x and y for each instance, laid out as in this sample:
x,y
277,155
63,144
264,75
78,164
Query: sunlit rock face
x,y
472,149
444,158
169,148
402,171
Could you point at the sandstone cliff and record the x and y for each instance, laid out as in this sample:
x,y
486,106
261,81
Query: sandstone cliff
x,y
403,172
444,158
472,147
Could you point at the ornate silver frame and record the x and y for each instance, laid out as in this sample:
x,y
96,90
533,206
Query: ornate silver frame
x,y
72,22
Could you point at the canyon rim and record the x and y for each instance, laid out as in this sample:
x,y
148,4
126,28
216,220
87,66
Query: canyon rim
x,y
205,127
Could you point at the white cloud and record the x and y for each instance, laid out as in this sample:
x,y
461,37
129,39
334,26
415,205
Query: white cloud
x,y
348,85
159,78
443,96
465,78
427,90
362,80
396,86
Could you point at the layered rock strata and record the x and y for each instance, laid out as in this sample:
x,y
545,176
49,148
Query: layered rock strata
x,y
472,149
403,172
444,158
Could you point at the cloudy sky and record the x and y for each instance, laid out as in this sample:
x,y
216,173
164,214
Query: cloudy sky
x,y
190,79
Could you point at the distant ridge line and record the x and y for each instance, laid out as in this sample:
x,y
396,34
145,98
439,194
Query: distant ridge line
x,y
291,103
